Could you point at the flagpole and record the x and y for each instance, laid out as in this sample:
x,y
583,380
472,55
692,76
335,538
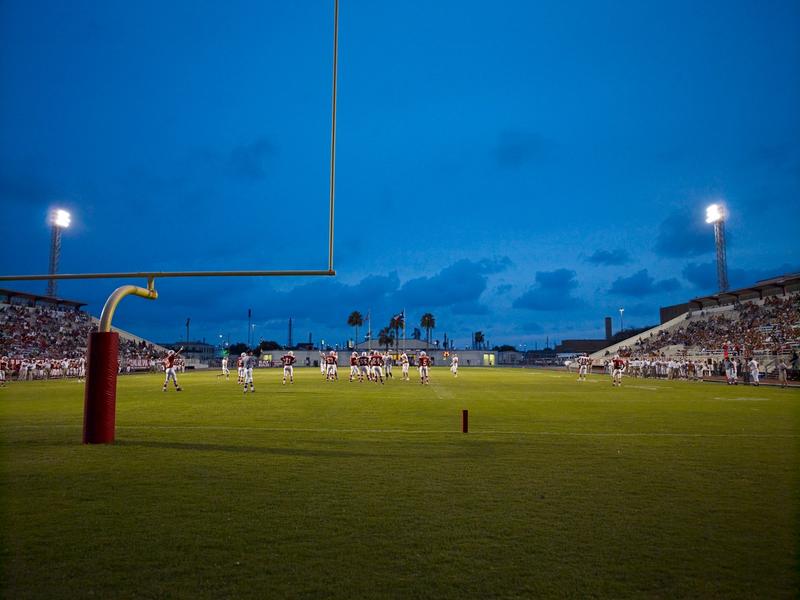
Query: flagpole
x,y
369,329
404,330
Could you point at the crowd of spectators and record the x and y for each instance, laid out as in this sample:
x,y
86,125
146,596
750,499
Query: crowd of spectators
x,y
39,342
769,328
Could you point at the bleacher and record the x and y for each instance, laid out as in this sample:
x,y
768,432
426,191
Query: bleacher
x,y
767,328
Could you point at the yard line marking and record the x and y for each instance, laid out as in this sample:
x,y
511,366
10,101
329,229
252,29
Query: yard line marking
x,y
426,431
742,399
644,387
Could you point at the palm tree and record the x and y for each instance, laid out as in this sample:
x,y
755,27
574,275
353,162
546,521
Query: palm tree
x,y
396,323
479,339
355,320
385,338
428,322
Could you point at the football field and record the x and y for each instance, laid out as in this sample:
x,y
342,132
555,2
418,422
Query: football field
x,y
356,490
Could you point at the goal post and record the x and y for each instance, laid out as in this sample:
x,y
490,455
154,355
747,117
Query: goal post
x,y
99,420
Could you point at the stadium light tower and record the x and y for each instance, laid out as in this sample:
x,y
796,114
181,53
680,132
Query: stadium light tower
x,y
716,214
621,322
59,219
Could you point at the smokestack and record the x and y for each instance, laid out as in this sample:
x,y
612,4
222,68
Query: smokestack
x,y
608,328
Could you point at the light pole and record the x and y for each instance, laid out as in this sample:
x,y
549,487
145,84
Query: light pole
x,y
716,214
59,219
621,322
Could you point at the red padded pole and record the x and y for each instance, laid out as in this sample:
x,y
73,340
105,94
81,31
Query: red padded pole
x,y
464,421
100,398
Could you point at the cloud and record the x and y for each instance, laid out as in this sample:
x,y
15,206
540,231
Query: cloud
x,y
530,328
22,183
516,148
703,276
684,234
609,257
248,161
642,284
552,291
503,289
461,283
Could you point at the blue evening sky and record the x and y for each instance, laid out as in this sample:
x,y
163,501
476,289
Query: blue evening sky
x,y
520,168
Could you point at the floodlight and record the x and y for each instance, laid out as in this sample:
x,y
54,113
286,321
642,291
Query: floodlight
x,y
714,213
61,218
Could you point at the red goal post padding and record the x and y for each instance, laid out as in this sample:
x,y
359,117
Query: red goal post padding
x,y
100,397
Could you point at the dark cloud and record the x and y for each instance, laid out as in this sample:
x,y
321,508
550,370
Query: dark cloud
x,y
516,148
703,276
552,291
530,328
248,161
21,183
610,257
642,284
460,283
469,308
684,234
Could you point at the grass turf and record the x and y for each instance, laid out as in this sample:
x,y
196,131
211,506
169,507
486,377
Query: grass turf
x,y
657,489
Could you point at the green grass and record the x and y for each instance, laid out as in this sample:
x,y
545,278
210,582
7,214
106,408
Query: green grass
x,y
354,490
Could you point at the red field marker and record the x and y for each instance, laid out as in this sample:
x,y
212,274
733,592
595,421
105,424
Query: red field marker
x,y
464,421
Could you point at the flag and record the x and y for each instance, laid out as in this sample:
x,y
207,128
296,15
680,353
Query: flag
x,y
399,318
249,312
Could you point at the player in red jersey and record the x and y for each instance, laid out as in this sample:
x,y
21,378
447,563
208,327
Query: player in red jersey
x,y
424,364
240,370
363,367
288,360
4,366
617,368
169,370
353,365
376,364
584,363
330,366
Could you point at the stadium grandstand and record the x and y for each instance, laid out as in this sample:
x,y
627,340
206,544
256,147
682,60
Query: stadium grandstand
x,y
760,321
42,337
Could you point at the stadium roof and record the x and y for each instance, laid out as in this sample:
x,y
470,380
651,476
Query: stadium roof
x,y
766,287
34,298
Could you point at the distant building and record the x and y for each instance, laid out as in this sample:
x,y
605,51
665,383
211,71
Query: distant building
x,y
199,351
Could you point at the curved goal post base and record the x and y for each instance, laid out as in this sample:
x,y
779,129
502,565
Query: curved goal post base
x,y
100,396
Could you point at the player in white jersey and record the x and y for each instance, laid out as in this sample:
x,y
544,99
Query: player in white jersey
x,y
226,372
249,361
387,365
404,366
454,365
4,364
754,374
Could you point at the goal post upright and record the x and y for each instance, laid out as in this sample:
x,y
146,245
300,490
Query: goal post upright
x,y
100,393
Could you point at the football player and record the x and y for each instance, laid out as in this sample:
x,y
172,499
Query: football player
x,y
454,365
248,362
288,366
617,368
404,365
169,370
424,364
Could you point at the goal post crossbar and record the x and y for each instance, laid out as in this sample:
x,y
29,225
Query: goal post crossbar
x,y
150,275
